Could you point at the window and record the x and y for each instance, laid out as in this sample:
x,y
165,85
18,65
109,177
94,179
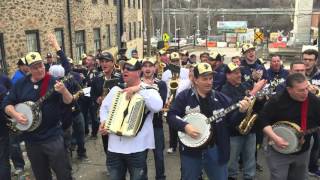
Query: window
x,y
2,54
134,30
60,37
140,29
96,39
139,4
130,35
129,3
80,44
108,37
134,3
94,1
106,1
33,42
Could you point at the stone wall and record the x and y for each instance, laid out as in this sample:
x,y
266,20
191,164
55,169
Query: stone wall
x,y
19,16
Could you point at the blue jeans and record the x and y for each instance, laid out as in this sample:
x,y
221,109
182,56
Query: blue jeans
x,y
78,133
4,158
191,167
158,153
136,163
15,151
246,146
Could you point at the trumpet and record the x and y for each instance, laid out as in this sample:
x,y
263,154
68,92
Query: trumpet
x,y
173,86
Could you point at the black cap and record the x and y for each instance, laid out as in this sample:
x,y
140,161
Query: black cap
x,y
105,56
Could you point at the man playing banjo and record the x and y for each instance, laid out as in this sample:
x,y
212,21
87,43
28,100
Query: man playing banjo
x,y
44,145
297,110
213,155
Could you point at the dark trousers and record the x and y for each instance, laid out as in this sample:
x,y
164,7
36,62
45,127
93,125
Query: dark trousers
x,y
4,158
88,108
314,154
78,133
158,153
15,151
47,156
135,163
173,138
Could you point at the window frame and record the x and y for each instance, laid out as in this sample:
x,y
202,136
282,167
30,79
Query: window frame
x,y
36,32
95,41
62,38
77,45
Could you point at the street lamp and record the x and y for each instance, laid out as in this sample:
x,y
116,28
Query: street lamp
x,y
194,35
178,29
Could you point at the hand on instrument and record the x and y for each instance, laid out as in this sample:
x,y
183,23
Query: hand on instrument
x,y
59,87
258,86
131,90
103,131
191,131
280,142
21,118
244,104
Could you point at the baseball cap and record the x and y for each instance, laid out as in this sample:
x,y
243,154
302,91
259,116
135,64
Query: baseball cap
x,y
174,55
132,64
215,56
21,61
246,47
83,56
33,58
231,67
150,60
105,56
202,69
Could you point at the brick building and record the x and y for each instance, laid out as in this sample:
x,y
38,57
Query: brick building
x,y
91,24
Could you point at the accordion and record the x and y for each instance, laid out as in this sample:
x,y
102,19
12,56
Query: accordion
x,y
125,117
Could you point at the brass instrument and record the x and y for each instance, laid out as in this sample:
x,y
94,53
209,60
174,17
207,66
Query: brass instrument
x,y
248,122
173,86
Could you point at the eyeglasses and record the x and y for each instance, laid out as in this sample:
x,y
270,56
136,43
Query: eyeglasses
x,y
129,68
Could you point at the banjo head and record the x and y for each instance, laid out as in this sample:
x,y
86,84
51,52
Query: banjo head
x,y
27,111
198,121
290,135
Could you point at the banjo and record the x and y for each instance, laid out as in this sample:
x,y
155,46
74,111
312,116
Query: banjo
x,y
290,132
32,111
203,124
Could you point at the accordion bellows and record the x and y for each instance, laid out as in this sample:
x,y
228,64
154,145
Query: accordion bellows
x,y
125,116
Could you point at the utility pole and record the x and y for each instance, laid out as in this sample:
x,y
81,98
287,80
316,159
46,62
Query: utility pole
x,y
148,19
168,16
162,17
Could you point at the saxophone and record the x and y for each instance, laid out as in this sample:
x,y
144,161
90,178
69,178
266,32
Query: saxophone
x,y
248,122
173,86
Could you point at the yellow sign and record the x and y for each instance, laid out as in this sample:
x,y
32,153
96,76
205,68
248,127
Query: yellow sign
x,y
258,36
165,37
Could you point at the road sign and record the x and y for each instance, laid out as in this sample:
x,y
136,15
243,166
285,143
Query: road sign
x,y
258,36
165,37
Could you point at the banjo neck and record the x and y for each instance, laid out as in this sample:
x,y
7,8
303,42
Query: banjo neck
x,y
309,131
50,91
222,112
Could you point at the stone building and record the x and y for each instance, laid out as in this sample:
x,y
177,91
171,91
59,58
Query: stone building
x,y
81,26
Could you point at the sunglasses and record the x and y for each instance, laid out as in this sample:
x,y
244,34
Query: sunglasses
x,y
129,68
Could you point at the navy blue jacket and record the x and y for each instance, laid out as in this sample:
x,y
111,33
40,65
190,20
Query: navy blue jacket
x,y
236,94
314,77
246,71
50,127
219,77
157,117
218,100
5,85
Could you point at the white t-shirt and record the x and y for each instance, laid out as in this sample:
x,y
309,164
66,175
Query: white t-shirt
x,y
145,138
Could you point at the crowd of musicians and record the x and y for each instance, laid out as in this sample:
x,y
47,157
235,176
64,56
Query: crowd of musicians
x,y
92,98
